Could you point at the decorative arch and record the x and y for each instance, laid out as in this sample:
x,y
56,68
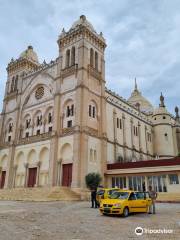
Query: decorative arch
x,y
66,153
20,160
44,158
4,162
47,82
32,157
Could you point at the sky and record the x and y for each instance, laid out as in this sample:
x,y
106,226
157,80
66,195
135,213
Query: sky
x,y
143,40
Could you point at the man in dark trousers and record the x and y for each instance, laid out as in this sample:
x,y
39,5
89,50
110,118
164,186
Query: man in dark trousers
x,y
153,196
93,198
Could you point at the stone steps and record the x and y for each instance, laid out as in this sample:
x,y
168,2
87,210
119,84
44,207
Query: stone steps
x,y
39,194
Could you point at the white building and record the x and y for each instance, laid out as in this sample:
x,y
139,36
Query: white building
x,y
59,123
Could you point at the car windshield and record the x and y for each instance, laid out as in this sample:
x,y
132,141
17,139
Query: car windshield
x,y
119,195
100,192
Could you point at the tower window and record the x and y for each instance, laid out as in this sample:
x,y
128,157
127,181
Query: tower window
x,y
92,57
69,124
68,58
38,132
120,123
89,110
10,127
50,129
117,122
164,117
49,118
28,121
73,56
9,138
16,83
39,120
96,60
27,134
94,111
70,111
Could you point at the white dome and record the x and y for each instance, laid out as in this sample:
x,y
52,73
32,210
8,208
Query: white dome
x,y
137,99
30,54
83,22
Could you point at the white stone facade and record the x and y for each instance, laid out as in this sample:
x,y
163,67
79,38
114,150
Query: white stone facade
x,y
60,120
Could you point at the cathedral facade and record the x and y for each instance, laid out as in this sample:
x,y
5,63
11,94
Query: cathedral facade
x,y
59,122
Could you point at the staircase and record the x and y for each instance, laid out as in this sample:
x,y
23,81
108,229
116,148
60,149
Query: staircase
x,y
39,194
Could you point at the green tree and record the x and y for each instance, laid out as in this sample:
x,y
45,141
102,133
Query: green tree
x,y
178,154
93,180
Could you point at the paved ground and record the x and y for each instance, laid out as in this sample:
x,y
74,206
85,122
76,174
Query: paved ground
x,y
75,220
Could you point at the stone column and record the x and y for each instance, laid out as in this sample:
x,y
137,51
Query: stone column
x,y
132,138
38,173
140,146
0,175
146,139
124,136
14,177
44,125
59,162
26,165
115,133
9,169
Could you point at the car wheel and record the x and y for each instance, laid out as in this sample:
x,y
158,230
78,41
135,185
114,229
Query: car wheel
x,y
126,212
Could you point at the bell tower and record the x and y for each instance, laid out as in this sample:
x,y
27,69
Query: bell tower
x,y
81,50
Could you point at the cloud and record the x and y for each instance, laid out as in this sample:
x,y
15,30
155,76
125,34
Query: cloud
x,y
142,37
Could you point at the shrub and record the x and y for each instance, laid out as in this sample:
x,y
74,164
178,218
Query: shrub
x,y
93,180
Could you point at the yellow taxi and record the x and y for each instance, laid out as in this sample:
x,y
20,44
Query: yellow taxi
x,y
104,193
123,202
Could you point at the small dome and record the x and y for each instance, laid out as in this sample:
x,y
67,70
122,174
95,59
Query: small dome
x,y
137,99
30,54
83,22
160,110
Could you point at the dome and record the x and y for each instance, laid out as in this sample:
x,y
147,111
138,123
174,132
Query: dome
x,y
162,108
137,99
83,22
30,54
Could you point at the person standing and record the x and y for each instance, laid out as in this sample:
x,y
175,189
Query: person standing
x,y
153,196
93,198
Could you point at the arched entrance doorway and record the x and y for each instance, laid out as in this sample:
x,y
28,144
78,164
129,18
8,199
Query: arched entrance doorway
x,y
3,165
32,171
67,175
67,166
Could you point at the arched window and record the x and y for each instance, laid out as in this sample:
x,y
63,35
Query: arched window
x,y
73,56
92,110
39,120
28,122
68,58
10,129
70,110
16,83
12,84
96,60
92,57
50,117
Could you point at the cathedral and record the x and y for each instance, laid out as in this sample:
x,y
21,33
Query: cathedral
x,y
59,122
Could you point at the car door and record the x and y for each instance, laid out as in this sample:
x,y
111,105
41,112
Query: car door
x,y
132,202
141,202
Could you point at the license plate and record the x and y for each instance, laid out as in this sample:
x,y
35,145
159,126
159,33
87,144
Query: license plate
x,y
107,210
